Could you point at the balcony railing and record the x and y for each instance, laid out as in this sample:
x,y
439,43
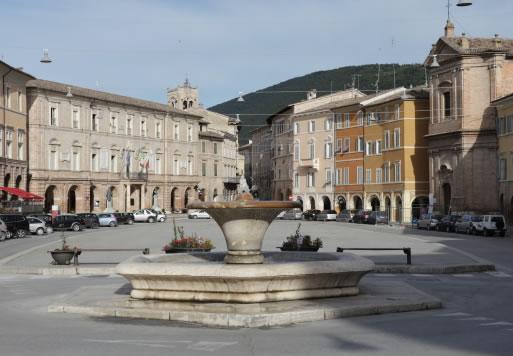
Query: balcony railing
x,y
309,163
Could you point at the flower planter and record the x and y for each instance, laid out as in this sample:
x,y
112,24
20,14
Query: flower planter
x,y
63,257
308,249
186,249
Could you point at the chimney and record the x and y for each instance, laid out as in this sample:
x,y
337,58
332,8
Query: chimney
x,y
312,94
497,41
449,29
464,42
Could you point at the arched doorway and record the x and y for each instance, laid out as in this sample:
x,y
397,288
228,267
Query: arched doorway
x,y
214,195
419,206
91,198
280,195
398,209
18,181
326,203
388,207
341,202
446,189
72,199
312,203
299,199
173,200
357,202
7,179
111,198
49,198
186,197
375,203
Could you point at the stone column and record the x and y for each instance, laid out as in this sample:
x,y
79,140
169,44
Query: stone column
x,y
143,195
128,207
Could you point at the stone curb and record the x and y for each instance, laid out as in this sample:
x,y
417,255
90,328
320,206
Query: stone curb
x,y
434,269
59,271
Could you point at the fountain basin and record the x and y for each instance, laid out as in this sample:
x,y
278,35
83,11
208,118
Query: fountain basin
x,y
204,277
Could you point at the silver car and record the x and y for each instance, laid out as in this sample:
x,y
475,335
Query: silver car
x,y
4,233
37,226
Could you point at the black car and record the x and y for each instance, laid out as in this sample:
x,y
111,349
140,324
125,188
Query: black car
x,y
362,217
91,221
346,215
378,217
311,214
68,222
448,223
125,218
17,225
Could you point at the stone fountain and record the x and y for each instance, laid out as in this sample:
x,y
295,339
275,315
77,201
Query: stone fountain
x,y
244,274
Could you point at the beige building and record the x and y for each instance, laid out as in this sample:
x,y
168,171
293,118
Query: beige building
x,y
93,151
218,139
465,74
282,149
261,164
13,127
313,149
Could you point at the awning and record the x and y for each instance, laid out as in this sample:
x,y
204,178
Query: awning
x,y
20,193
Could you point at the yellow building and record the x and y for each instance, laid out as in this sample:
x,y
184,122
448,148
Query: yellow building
x,y
504,108
395,165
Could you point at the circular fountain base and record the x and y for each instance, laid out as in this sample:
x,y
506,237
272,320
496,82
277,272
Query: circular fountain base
x,y
204,277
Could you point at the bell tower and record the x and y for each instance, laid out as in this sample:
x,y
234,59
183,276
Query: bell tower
x,y
183,97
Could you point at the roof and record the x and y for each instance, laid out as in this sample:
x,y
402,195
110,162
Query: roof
x,y
478,45
211,135
502,99
104,96
419,92
19,70
279,112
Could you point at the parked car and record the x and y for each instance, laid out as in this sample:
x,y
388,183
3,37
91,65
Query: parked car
x,y
68,222
489,225
466,223
91,220
429,221
124,218
378,217
281,215
198,214
108,219
37,226
17,225
161,217
362,217
145,215
293,214
326,215
346,215
310,214
47,218
448,223
4,232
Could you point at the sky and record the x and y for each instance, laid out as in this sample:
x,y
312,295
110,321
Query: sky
x,y
140,48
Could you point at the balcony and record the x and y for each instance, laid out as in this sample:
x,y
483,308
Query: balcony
x,y
135,176
309,163
233,180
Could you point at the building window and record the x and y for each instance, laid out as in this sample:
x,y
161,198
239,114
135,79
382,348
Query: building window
x,y
347,120
337,177
176,132
359,144
387,140
215,169
368,176
94,122
310,182
129,125
75,119
338,120
345,176
143,128
53,116
203,147
158,165
378,147
328,177
53,161
379,177
113,162
387,172
328,150
158,130
296,128
176,167
359,175
9,142
311,126
296,151
328,124
502,169
189,134
397,137
114,124
446,99
215,148
346,144
94,162
368,148
20,101
359,117
398,171
75,161
189,167
21,145
204,169
8,97
397,110
311,150
296,180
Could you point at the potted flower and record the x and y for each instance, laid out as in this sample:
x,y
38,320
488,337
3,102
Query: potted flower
x,y
63,255
300,242
183,243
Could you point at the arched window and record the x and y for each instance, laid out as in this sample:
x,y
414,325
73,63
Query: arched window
x,y
445,89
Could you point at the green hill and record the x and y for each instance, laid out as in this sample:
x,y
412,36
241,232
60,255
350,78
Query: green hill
x,y
259,105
